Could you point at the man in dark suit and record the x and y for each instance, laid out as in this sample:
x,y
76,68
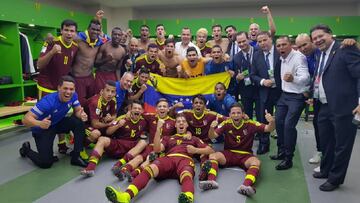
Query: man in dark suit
x,y
248,91
336,86
266,75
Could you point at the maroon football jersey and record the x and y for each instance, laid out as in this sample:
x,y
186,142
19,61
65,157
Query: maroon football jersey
x,y
142,61
131,130
239,138
199,126
205,50
161,45
58,66
176,144
99,108
168,128
134,90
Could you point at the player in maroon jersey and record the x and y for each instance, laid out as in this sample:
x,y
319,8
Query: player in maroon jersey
x,y
239,136
125,133
177,163
150,61
102,112
168,129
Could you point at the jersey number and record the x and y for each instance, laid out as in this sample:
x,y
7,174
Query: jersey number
x,y
66,59
132,133
238,139
198,131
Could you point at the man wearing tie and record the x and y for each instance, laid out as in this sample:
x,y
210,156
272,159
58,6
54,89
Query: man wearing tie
x,y
265,73
337,88
243,62
295,83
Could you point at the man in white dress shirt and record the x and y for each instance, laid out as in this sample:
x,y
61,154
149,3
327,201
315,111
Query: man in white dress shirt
x,y
181,47
295,83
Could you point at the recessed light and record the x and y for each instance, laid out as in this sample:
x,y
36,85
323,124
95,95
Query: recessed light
x,y
32,25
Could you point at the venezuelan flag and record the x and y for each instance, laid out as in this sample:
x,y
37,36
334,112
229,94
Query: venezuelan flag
x,y
181,90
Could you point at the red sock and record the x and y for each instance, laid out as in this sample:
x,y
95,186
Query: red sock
x,y
127,167
141,180
214,170
187,184
251,175
127,157
203,159
93,160
137,171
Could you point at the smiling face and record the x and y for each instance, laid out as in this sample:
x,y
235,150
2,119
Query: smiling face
x,y
253,31
321,39
236,114
143,78
243,42
305,46
66,91
181,124
126,81
162,109
68,33
116,36
94,31
185,36
283,46
136,111
133,46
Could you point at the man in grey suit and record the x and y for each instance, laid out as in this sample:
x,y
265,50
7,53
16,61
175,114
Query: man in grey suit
x,y
336,86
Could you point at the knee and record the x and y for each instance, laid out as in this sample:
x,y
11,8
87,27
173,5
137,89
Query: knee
x,y
94,135
103,140
45,164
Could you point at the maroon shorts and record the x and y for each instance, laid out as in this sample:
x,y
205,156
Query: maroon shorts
x,y
118,148
89,129
100,79
85,88
148,149
172,167
235,159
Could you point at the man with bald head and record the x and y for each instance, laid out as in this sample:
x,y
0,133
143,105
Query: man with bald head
x,y
254,28
131,56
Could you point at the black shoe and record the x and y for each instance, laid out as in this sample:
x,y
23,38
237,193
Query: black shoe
x,y
284,165
25,148
279,156
319,175
263,149
55,159
78,162
327,187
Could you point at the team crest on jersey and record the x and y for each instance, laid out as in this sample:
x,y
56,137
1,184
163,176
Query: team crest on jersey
x,y
231,132
191,122
97,111
167,126
127,126
245,132
107,108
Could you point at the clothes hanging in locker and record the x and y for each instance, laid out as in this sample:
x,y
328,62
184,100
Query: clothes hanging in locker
x,y
26,56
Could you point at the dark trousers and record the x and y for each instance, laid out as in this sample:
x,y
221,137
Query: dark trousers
x,y
315,120
337,135
249,108
45,139
288,111
269,105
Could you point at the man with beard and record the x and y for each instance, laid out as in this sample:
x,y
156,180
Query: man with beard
x,y
108,60
144,37
217,37
254,28
150,61
123,141
169,58
201,42
233,47
160,36
131,56
48,118
220,101
182,47
192,66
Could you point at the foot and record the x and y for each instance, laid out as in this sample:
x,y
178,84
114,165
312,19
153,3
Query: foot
x,y
205,168
116,169
62,148
84,155
208,185
25,148
77,161
246,190
183,198
119,174
319,175
263,149
55,159
152,156
279,156
328,187
317,169
115,196
284,165
316,158
128,176
87,173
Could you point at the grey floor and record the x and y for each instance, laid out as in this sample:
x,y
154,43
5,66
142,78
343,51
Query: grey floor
x,y
166,191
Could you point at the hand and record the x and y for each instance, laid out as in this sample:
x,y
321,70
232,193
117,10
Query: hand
x,y
356,110
49,39
121,122
347,43
269,118
178,68
99,14
83,115
179,105
267,83
240,77
45,123
191,149
231,72
108,118
245,116
160,123
188,135
171,36
214,123
265,10
226,57
56,49
129,62
129,32
143,88
288,77
310,101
